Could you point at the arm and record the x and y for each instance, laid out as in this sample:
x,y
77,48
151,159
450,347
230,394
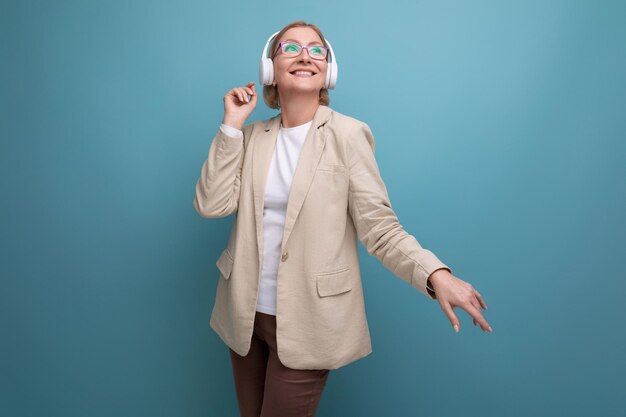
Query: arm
x,y
376,223
218,187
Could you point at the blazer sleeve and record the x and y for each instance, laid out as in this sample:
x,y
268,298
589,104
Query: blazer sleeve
x,y
376,223
219,184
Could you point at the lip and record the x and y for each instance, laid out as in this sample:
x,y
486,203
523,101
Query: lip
x,y
313,73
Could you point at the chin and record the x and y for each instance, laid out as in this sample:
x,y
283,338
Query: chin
x,y
305,89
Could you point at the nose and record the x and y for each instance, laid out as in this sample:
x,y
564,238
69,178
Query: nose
x,y
306,57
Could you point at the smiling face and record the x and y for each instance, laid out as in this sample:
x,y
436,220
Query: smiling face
x,y
300,74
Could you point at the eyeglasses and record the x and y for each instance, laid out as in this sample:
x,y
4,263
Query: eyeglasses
x,y
295,49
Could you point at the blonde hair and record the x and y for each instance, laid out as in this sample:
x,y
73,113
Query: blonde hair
x,y
270,92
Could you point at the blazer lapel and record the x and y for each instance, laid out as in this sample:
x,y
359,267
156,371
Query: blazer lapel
x,y
263,151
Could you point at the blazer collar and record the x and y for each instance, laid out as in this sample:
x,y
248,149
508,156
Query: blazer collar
x,y
321,116
262,153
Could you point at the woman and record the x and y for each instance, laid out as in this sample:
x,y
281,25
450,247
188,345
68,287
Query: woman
x,y
304,185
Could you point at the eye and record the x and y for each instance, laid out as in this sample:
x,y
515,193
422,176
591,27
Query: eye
x,y
316,50
291,47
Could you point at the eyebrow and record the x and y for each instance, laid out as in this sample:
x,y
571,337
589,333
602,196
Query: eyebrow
x,y
312,43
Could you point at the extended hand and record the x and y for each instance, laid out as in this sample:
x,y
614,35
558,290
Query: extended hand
x,y
453,292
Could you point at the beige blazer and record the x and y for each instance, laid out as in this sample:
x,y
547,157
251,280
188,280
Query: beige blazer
x,y
336,195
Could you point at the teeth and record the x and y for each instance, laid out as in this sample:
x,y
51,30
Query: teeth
x,y
303,73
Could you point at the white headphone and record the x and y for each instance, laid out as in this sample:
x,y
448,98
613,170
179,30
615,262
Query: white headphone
x,y
266,67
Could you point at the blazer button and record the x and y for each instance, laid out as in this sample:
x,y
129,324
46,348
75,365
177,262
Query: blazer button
x,y
284,257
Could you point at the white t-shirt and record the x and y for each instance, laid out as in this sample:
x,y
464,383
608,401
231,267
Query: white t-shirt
x,y
284,161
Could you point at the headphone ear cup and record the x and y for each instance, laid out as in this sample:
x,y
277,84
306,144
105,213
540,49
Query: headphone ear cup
x,y
331,76
266,71
328,76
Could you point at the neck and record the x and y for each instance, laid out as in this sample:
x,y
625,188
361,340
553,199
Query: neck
x,y
298,109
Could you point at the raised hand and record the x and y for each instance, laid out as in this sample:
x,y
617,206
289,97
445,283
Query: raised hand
x,y
238,106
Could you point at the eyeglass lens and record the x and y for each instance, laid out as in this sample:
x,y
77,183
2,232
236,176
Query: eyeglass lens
x,y
315,51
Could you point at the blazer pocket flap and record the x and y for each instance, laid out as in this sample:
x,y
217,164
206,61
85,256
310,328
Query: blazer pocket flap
x,y
333,283
225,263
331,167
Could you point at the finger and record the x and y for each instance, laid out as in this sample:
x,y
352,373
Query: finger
x,y
475,313
239,94
475,303
244,94
477,307
480,299
249,91
234,94
454,320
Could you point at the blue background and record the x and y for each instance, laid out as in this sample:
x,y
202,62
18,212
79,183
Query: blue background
x,y
512,173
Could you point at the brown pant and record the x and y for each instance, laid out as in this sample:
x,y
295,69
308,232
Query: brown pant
x,y
267,388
